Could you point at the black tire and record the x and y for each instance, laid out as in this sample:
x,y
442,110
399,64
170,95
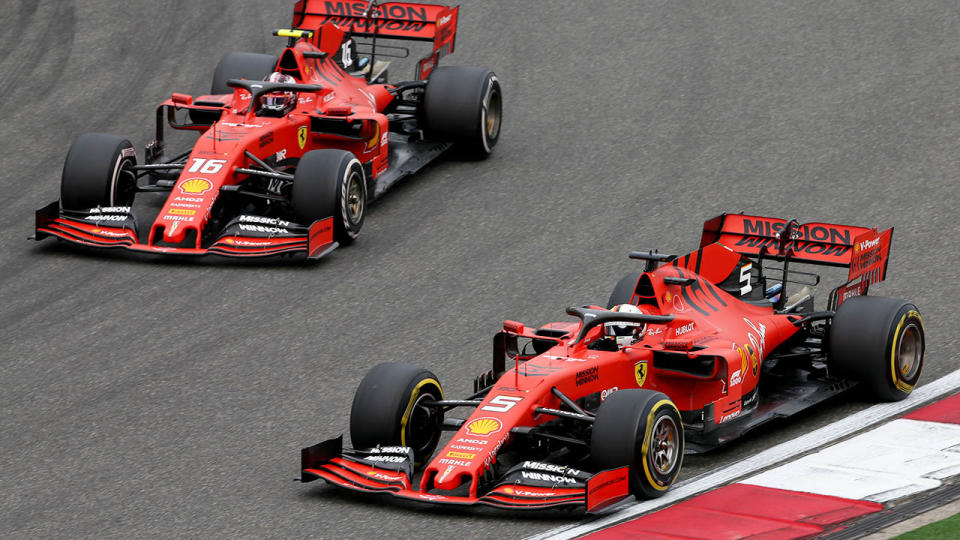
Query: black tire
x,y
331,183
464,105
387,410
96,174
241,65
642,429
623,291
879,342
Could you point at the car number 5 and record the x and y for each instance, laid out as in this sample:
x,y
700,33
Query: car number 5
x,y
501,403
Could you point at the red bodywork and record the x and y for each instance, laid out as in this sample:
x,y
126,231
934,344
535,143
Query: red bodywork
x,y
348,102
706,357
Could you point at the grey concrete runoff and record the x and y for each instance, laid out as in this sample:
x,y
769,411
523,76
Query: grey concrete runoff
x,y
170,399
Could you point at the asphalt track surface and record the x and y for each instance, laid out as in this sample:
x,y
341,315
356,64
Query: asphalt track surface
x,y
170,398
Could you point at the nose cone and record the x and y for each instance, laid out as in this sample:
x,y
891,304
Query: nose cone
x,y
175,233
449,478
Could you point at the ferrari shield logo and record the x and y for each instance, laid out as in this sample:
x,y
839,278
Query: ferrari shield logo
x,y
302,136
640,371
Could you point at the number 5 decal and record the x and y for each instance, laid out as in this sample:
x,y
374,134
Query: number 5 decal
x,y
745,286
501,403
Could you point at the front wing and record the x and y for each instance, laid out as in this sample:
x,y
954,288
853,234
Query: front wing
x,y
389,471
117,228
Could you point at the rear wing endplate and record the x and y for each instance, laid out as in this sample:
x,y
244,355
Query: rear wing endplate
x,y
863,250
391,20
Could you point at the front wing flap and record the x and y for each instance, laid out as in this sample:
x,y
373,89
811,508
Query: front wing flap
x,y
116,227
527,486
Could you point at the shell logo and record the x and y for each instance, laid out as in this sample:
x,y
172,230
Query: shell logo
x,y
484,426
508,490
196,186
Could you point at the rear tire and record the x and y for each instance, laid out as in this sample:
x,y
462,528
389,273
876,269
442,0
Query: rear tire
x,y
331,183
879,342
96,173
241,65
388,411
641,429
464,105
623,291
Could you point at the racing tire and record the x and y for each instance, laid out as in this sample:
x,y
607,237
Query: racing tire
x,y
879,342
641,429
623,291
241,65
464,105
96,173
331,183
388,410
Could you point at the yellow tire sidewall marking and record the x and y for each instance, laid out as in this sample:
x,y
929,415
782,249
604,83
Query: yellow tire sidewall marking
x,y
899,384
648,435
409,410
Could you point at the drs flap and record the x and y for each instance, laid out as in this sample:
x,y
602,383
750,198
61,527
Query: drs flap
x,y
398,20
817,243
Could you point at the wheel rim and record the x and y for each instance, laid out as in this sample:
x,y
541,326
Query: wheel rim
x,y
909,352
663,450
126,186
422,430
355,198
491,114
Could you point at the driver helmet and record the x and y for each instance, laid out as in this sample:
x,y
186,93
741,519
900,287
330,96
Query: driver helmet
x,y
624,333
279,102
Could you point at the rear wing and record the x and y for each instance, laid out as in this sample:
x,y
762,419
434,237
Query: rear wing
x,y
391,20
864,251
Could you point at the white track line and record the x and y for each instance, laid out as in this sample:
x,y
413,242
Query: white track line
x,y
762,460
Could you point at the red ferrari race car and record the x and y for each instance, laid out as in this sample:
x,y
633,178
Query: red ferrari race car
x,y
692,352
291,149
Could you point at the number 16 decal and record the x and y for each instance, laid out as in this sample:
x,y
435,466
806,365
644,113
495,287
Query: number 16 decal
x,y
501,403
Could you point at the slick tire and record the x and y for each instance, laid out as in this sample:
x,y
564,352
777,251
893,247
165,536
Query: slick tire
x,y
641,429
331,183
879,342
388,410
623,291
241,65
96,173
464,105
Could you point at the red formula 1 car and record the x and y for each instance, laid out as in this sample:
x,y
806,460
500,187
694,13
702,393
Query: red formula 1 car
x,y
288,164
696,350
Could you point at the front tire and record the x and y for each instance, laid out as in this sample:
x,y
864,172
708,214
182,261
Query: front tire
x,y
331,183
96,173
879,342
464,105
388,410
641,429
